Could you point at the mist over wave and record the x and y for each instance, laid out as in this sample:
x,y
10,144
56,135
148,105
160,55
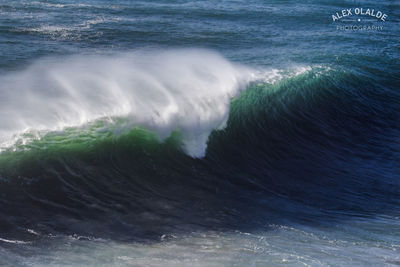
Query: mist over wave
x,y
187,90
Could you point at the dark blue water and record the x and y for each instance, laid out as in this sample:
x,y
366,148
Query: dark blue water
x,y
200,133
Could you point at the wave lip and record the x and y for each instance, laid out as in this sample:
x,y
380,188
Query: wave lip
x,y
187,90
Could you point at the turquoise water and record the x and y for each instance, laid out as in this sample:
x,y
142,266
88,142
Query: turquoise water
x,y
204,133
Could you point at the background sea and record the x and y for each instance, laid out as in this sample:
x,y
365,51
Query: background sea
x,y
198,133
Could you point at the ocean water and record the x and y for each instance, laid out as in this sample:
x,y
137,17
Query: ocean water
x,y
199,133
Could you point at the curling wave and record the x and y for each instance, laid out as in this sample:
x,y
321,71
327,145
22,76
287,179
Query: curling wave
x,y
311,145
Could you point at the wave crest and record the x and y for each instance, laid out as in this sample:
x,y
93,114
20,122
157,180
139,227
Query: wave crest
x,y
186,90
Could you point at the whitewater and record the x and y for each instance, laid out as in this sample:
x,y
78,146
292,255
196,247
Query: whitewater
x,y
185,90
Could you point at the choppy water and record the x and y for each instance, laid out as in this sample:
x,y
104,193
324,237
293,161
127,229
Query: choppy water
x,y
199,133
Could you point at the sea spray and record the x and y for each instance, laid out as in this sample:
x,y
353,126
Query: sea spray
x,y
188,90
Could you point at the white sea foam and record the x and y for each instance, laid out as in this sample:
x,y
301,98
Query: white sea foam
x,y
13,241
189,90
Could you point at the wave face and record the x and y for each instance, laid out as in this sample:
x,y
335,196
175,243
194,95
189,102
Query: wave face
x,y
309,149
185,90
